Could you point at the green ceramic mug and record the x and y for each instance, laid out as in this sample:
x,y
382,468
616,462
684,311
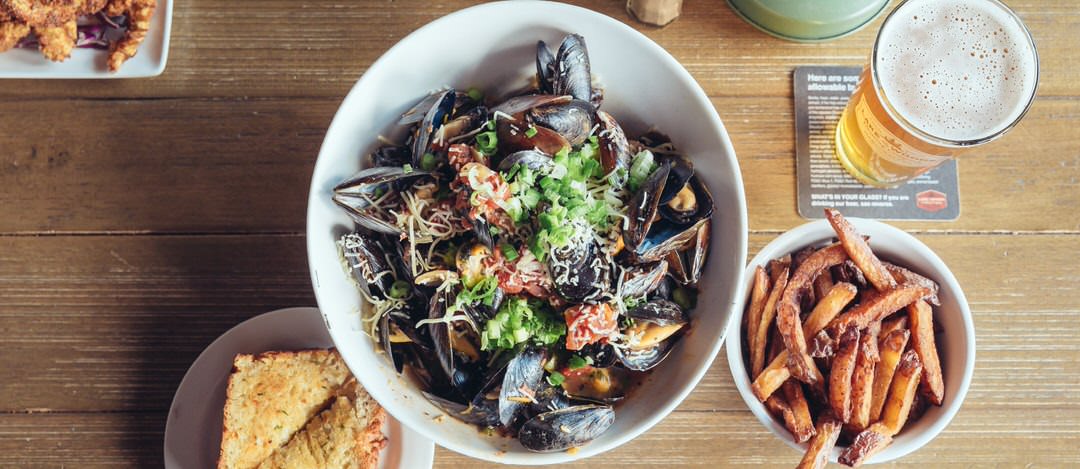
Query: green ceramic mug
x,y
808,20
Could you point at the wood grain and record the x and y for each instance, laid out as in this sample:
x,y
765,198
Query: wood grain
x,y
140,219
243,165
319,48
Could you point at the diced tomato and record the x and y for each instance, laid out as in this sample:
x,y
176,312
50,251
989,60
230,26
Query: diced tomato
x,y
587,324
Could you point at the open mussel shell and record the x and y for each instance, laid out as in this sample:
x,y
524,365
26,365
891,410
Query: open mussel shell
x,y
600,385
520,383
367,259
691,203
682,169
516,106
643,359
453,348
659,312
643,206
419,110
513,136
436,116
573,120
686,265
638,281
614,148
566,428
545,68
481,412
539,162
458,127
573,73
666,238
391,155
356,193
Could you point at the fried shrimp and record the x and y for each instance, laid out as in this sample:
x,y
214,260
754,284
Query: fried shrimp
x,y
57,42
43,13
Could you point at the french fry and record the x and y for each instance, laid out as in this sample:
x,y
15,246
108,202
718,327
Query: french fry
x,y
803,426
901,392
817,453
822,284
799,361
822,345
866,444
859,252
828,308
775,345
757,355
892,323
891,346
840,376
780,408
862,378
903,275
921,318
878,307
758,293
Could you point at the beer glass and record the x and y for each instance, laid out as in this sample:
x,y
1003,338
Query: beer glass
x,y
945,76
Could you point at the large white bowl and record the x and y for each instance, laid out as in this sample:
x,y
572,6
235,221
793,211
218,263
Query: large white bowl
x,y
955,341
493,46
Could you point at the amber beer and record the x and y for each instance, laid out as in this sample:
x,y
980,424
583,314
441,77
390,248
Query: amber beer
x,y
945,76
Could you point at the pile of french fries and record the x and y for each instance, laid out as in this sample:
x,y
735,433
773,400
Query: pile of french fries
x,y
839,334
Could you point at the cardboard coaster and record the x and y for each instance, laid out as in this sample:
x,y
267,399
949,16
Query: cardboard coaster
x,y
821,93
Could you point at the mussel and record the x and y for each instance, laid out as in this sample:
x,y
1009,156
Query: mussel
x,y
358,194
455,346
614,149
391,155
572,120
435,117
601,385
515,135
655,323
566,428
520,383
690,203
573,73
516,106
656,228
641,280
367,259
545,68
578,270
537,161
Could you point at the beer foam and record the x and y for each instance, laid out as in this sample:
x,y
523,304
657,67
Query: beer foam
x,y
957,70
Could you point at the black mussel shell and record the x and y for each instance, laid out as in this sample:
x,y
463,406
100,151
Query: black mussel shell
x,y
643,206
577,269
436,116
614,149
664,238
481,412
660,312
682,169
520,383
419,110
513,137
573,74
545,68
573,120
369,263
703,207
539,162
566,428
516,106
391,155
641,280
643,359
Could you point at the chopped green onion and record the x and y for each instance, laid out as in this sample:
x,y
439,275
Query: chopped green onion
x,y
476,94
487,142
509,252
641,167
407,168
556,378
428,162
493,230
530,132
576,362
400,289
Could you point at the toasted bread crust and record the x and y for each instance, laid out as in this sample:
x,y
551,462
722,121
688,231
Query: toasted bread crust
x,y
270,397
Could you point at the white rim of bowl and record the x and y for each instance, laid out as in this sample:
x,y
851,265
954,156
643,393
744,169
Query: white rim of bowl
x,y
685,80
798,237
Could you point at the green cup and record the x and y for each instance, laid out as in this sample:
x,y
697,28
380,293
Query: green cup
x,y
808,20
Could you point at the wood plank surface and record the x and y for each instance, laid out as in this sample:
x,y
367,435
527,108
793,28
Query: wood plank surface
x,y
140,219
243,165
320,48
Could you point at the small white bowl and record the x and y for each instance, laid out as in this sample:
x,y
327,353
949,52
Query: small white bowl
x,y
493,46
956,342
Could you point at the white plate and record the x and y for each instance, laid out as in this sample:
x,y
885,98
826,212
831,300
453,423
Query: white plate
x,y
90,63
193,431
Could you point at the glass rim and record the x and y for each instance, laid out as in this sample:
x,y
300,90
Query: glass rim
x,y
934,139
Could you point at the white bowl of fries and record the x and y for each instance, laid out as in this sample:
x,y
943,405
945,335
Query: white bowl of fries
x,y
873,400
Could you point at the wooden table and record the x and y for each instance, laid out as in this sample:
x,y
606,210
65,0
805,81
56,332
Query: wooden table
x,y
140,219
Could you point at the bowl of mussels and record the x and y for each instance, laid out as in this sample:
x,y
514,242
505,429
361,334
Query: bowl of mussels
x,y
527,241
